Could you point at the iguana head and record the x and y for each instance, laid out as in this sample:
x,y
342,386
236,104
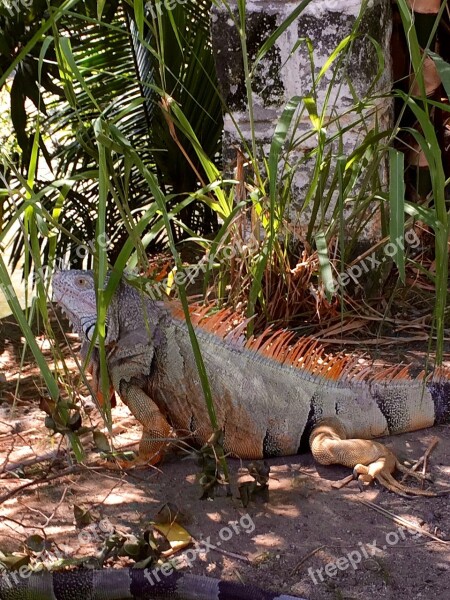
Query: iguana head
x,y
134,323
74,291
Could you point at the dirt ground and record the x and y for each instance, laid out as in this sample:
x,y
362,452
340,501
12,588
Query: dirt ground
x,y
308,539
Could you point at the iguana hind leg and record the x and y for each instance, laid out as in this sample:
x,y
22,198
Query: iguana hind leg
x,y
156,429
369,460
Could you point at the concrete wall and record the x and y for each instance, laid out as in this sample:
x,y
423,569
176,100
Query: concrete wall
x,y
283,74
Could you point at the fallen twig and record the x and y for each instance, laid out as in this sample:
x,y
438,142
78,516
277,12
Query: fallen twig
x,y
423,460
428,451
230,554
402,521
305,558
33,461
12,432
337,485
68,471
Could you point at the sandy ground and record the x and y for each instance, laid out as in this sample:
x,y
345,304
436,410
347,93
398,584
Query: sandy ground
x,y
307,538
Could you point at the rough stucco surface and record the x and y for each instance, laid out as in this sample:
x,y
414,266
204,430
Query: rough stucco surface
x,y
283,73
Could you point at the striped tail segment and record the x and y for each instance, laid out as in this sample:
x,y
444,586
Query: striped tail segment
x,y
127,584
439,387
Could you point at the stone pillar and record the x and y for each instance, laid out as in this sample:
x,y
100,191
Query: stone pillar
x,y
283,74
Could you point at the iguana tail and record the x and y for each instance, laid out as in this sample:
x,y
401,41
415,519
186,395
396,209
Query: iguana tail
x,y
126,584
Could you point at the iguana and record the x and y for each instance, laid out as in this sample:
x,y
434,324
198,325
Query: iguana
x,y
272,393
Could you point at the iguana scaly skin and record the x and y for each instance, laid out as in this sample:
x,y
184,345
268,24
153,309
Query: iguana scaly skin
x,y
269,392
126,584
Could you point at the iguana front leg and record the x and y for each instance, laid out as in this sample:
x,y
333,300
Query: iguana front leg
x,y
93,368
156,429
369,460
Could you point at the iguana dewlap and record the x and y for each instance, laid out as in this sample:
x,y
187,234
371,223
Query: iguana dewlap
x,y
269,392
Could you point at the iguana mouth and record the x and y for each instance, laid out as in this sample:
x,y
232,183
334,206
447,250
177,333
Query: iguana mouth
x,y
70,316
73,318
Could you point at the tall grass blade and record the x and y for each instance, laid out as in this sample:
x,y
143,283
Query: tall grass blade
x,y
101,266
429,144
268,44
397,208
407,17
443,68
326,273
18,313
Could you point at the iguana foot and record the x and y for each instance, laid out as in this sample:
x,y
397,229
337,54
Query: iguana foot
x,y
366,474
151,447
369,460
135,463
141,460
154,442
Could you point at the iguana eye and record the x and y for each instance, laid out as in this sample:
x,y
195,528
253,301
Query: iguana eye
x,y
82,282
